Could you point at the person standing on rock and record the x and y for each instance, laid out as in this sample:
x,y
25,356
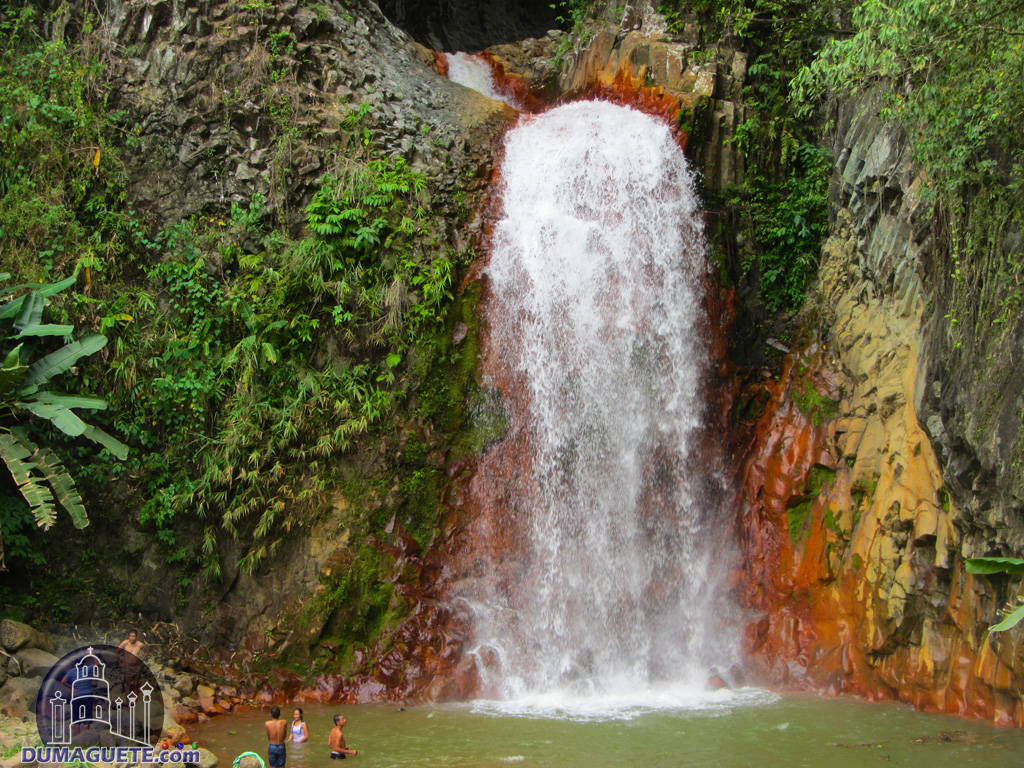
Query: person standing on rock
x,y
129,656
276,732
336,741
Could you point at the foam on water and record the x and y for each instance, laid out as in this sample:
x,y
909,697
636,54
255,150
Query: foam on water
x,y
625,705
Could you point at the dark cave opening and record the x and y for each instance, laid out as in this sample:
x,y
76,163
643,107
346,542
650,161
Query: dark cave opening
x,y
470,25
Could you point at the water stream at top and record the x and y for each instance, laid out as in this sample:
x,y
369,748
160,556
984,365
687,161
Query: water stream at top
x,y
474,71
609,596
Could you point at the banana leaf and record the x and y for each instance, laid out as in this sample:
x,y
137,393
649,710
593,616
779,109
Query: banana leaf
x,y
63,485
58,362
1012,620
62,418
986,565
112,444
31,313
72,401
47,330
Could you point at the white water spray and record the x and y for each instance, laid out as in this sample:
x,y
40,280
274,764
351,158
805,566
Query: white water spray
x,y
476,73
596,271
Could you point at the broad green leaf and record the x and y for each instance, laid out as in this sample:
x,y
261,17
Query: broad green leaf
x,y
13,288
13,358
12,450
12,308
41,500
1012,620
72,401
12,372
986,565
57,362
14,454
31,313
47,330
54,288
66,421
112,444
63,485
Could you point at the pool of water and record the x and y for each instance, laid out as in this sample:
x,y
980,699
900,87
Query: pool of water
x,y
737,730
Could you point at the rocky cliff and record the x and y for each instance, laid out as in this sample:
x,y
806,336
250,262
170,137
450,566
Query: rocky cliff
x,y
868,483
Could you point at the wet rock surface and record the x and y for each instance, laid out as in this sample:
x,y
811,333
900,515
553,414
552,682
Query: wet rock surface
x,y
853,540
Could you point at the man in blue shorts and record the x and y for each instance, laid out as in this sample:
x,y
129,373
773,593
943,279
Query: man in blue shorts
x,y
276,728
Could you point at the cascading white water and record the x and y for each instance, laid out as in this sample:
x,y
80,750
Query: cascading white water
x,y
476,73
596,272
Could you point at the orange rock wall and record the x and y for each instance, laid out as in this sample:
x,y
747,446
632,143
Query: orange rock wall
x,y
851,544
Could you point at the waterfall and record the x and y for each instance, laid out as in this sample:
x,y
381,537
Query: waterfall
x,y
475,72
607,580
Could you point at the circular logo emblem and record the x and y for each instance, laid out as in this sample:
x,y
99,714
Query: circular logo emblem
x,y
100,696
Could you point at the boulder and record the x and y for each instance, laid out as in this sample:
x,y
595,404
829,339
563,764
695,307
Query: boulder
x,y
172,731
204,691
14,636
183,716
184,684
210,706
18,696
10,664
35,662
250,761
207,759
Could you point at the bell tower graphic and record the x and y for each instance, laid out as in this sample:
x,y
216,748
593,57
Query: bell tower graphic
x,y
89,706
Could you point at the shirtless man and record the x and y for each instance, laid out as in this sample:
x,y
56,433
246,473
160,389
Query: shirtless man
x,y
336,741
276,728
129,655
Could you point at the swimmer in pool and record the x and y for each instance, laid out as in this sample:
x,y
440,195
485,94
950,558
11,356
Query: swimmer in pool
x,y
300,731
336,741
276,728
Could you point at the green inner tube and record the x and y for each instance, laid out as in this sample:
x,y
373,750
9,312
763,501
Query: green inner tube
x,y
249,754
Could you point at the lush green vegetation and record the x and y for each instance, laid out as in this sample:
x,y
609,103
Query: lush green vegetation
x,y
243,360
952,75
782,202
26,394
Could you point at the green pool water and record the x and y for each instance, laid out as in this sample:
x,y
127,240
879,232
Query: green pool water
x,y
749,729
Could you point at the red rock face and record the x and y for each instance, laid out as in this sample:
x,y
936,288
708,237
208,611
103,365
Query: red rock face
x,y
828,622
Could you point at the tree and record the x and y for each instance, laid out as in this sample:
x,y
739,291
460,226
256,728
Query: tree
x,y
25,394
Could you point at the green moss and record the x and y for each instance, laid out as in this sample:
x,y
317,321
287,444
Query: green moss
x,y
832,523
449,374
799,518
865,490
944,499
855,561
814,406
817,478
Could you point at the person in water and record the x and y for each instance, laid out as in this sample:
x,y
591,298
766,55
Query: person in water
x,y
300,731
336,741
276,728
